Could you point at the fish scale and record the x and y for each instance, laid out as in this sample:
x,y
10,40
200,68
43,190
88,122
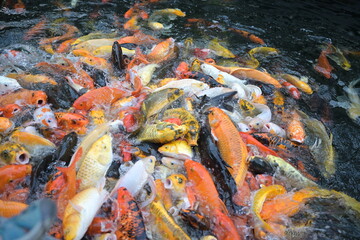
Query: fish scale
x,y
96,163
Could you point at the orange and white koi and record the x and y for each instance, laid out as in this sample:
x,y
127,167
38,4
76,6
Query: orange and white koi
x,y
293,91
45,116
295,128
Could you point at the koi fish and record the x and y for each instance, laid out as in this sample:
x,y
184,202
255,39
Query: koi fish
x,y
187,119
45,116
10,209
35,30
219,50
80,212
178,149
6,125
298,83
231,146
257,204
24,97
9,111
13,153
354,110
166,224
161,132
337,56
295,128
323,66
70,33
210,204
159,100
130,223
96,162
168,11
248,35
33,143
26,80
138,38
162,51
72,121
103,96
8,85
293,91
10,173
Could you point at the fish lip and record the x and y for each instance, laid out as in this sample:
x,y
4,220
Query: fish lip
x,y
168,184
22,158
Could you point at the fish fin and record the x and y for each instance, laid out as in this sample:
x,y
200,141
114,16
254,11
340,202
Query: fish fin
x,y
214,136
77,207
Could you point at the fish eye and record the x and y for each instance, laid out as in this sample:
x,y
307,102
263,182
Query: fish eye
x,y
74,121
180,180
6,85
15,110
151,160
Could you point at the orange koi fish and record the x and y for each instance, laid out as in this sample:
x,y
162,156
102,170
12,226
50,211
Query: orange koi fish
x,y
10,209
35,30
130,220
287,204
9,110
295,128
210,204
65,46
100,97
10,173
24,97
248,139
70,33
139,38
131,24
323,66
72,121
162,51
231,146
78,75
250,36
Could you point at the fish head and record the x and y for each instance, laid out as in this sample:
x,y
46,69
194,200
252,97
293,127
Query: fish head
x,y
177,182
149,164
172,162
256,123
38,98
12,153
11,110
72,225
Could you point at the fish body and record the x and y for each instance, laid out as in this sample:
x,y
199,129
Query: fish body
x,y
33,143
96,162
337,56
248,35
187,119
322,147
293,91
6,125
135,179
166,224
8,85
24,97
100,97
210,204
178,149
161,132
162,51
72,121
45,116
220,50
257,203
10,209
263,51
230,144
156,101
293,176
13,153
130,223
80,212
26,80
354,110
10,173
295,129
189,86
303,86
323,66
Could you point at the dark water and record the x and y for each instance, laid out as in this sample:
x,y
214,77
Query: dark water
x,y
296,28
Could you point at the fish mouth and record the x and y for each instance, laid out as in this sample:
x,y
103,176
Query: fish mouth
x,y
168,184
22,158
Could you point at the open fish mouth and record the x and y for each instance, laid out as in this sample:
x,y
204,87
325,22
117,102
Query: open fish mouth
x,y
22,157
